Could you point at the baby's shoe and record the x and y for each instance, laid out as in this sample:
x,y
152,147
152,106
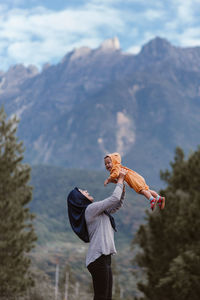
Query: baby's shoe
x,y
153,203
161,202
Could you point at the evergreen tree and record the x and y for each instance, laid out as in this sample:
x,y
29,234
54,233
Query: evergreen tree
x,y
17,234
169,242
43,288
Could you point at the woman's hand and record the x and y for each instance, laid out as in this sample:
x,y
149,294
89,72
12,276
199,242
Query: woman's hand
x,y
122,174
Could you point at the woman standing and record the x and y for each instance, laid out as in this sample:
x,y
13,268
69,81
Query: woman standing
x,y
92,222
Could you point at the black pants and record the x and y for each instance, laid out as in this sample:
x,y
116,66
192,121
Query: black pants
x,y
101,273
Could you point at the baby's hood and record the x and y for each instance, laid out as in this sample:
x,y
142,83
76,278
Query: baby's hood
x,y
115,157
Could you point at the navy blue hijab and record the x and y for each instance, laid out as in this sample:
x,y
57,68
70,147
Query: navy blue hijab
x,y
77,204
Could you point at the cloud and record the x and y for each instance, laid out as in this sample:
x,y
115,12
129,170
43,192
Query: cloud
x,y
189,37
178,22
183,29
134,50
186,11
39,34
34,35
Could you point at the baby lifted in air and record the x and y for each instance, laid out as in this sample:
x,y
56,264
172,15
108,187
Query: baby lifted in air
x,y
134,180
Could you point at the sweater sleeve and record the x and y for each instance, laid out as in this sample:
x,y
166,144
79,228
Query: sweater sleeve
x,y
120,204
109,203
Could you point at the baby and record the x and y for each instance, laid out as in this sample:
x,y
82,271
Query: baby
x,y
134,180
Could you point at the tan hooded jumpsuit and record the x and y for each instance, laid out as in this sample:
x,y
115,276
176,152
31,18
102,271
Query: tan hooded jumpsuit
x,y
134,180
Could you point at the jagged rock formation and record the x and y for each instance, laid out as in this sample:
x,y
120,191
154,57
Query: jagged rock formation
x,y
110,44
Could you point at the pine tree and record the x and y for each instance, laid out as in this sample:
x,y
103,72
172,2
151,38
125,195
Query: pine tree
x,y
169,242
17,234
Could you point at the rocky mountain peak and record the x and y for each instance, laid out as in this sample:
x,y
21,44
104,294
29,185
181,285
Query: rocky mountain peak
x,y
20,69
77,53
157,47
15,76
110,44
80,52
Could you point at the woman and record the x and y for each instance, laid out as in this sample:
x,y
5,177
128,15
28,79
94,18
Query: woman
x,y
92,222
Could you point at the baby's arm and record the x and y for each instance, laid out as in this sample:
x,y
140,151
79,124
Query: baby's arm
x,y
113,175
108,180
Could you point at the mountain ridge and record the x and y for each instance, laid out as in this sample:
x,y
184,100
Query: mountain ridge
x,y
95,101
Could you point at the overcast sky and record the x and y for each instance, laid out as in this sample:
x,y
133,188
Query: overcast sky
x,y
36,32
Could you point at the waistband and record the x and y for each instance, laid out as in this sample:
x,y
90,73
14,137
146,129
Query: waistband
x,y
103,259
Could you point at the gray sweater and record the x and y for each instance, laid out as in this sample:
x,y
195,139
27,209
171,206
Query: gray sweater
x,y
101,233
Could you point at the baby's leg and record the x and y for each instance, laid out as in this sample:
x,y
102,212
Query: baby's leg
x,y
146,193
149,196
161,200
153,193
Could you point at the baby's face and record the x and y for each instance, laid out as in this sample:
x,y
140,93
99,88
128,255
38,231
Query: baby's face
x,y
108,163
